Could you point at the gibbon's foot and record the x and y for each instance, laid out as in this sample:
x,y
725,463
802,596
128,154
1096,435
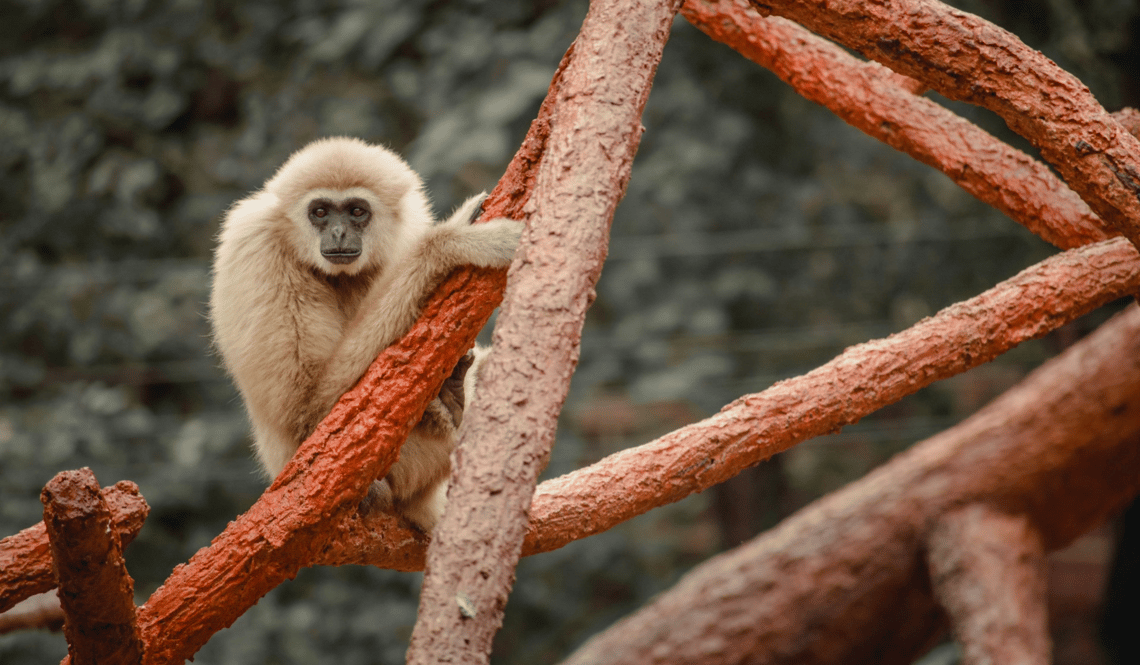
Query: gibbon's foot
x,y
378,498
478,209
452,393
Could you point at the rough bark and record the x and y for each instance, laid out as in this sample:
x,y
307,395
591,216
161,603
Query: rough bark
x,y
861,380
843,580
25,557
989,571
887,106
858,382
95,591
509,430
967,58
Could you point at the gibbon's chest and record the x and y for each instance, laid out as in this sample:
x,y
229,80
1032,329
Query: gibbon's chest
x,y
343,294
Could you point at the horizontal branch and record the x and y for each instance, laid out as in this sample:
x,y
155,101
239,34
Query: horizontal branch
x,y
95,591
860,381
844,581
967,58
25,557
885,105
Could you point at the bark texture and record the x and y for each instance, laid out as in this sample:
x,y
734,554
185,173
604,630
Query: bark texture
x,y
595,128
844,579
967,58
95,591
989,572
25,558
888,107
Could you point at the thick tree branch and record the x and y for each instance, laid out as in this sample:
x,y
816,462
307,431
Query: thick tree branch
x,y
95,591
323,484
884,105
988,570
25,557
966,58
507,434
843,580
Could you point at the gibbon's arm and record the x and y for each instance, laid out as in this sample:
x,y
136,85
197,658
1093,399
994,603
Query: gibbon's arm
x,y
395,300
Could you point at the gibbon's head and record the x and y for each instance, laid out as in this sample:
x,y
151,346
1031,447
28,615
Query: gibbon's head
x,y
350,205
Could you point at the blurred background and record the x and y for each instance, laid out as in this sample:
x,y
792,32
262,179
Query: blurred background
x,y
759,237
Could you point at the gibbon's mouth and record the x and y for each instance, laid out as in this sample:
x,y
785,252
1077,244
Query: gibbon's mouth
x,y
342,258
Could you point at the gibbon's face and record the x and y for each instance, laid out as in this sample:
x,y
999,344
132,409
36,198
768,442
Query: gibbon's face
x,y
345,229
341,225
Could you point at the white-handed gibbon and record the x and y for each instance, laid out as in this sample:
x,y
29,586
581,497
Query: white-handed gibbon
x,y
316,273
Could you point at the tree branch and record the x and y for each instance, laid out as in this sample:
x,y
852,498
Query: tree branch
x,y
988,570
95,591
887,106
967,58
507,434
25,557
843,580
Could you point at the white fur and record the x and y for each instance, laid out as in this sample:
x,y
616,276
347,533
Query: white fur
x,y
296,331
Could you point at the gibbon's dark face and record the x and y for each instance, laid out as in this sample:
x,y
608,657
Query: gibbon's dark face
x,y
341,225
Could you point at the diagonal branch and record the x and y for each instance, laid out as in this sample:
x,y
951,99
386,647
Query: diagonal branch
x,y
967,58
883,105
844,581
507,435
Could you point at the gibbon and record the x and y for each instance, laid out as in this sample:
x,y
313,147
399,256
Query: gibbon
x,y
316,273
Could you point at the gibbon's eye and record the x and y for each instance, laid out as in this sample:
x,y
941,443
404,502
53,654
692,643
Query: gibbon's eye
x,y
320,212
358,211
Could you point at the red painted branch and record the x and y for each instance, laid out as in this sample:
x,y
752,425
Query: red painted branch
x,y
25,558
988,571
883,104
595,128
860,381
324,482
843,580
966,58
95,591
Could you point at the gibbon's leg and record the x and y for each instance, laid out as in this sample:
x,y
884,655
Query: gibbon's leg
x,y
417,484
